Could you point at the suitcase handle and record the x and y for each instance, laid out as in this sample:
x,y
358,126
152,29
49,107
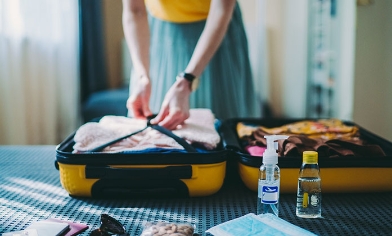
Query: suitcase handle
x,y
168,172
107,188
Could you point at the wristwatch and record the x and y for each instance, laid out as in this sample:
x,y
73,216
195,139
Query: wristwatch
x,y
194,81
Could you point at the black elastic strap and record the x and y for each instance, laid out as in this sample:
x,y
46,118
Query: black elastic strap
x,y
100,148
179,140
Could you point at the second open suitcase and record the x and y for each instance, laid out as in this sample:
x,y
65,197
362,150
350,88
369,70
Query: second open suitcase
x,y
363,173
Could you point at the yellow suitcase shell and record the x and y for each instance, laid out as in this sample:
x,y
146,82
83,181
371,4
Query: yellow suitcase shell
x,y
112,175
333,180
206,179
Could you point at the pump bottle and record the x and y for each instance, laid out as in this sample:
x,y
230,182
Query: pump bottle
x,y
269,178
309,187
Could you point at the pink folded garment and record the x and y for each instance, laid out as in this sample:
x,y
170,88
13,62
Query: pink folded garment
x,y
198,129
255,150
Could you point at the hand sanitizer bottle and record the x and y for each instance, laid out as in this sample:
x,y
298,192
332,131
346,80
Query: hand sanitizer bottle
x,y
309,187
269,178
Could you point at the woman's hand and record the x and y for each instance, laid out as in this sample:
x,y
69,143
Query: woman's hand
x,y
139,101
175,106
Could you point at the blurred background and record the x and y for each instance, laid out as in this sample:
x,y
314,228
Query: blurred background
x,y
65,62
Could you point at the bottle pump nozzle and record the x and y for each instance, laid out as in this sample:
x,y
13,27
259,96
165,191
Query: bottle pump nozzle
x,y
270,155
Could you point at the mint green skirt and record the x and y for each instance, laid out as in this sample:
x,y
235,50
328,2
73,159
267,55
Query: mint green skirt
x,y
226,85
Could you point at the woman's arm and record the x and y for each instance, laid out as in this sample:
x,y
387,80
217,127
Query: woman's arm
x,y
215,29
175,107
137,35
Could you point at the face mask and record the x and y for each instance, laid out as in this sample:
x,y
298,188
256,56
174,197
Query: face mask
x,y
252,225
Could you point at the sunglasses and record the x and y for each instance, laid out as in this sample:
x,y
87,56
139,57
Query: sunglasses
x,y
109,226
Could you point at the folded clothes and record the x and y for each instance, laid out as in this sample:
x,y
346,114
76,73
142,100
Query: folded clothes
x,y
198,129
330,138
245,129
296,145
322,128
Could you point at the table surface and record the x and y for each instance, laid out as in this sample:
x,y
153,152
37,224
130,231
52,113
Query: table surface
x,y
30,191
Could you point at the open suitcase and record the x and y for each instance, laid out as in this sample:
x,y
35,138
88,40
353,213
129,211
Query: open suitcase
x,y
175,174
345,174
117,175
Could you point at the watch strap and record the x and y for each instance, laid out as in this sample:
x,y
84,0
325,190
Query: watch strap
x,y
188,76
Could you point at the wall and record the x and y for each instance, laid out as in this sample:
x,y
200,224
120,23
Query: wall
x,y
112,11
373,73
371,100
275,43
253,12
295,63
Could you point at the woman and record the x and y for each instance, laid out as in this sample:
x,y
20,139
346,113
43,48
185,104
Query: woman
x,y
176,43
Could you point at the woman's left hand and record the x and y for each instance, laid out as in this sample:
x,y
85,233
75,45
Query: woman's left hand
x,y
175,106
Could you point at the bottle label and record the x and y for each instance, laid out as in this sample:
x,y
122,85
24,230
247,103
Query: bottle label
x,y
269,194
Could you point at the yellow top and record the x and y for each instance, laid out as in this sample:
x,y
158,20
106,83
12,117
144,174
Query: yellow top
x,y
179,11
310,157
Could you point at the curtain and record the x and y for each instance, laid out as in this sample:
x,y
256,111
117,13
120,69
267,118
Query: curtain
x,y
39,79
92,48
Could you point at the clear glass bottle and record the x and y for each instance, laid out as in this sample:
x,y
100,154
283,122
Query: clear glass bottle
x,y
268,190
309,187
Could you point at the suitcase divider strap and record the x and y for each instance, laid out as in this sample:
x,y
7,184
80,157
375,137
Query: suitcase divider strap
x,y
100,148
179,140
159,128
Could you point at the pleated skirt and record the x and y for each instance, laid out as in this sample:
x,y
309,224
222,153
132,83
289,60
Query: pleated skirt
x,y
226,84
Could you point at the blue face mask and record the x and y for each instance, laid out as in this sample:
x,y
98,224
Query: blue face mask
x,y
253,225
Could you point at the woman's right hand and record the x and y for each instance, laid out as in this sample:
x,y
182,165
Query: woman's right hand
x,y
139,100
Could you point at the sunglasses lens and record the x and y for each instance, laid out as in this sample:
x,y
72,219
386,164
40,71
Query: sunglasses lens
x,y
111,225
